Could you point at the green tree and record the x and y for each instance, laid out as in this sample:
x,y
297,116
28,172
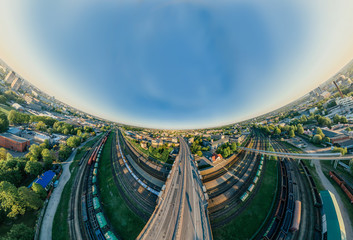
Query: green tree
x,y
34,151
4,122
3,99
233,146
343,151
73,141
64,152
29,198
47,155
300,129
291,133
37,188
277,131
41,126
319,131
317,139
10,201
19,232
3,154
303,119
199,153
33,168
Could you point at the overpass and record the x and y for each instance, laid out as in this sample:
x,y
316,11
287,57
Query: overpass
x,y
309,156
182,209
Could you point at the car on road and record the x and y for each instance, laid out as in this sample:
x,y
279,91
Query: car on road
x,y
56,183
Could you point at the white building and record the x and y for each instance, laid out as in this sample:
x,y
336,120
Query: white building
x,y
10,77
312,110
345,103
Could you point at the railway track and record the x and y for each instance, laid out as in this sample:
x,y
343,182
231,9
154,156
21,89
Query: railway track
x,y
76,229
216,174
305,196
159,171
238,170
138,205
234,201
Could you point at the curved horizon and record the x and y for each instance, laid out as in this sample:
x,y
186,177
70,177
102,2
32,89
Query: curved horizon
x,y
176,65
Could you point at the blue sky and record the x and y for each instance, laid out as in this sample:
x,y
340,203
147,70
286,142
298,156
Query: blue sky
x,y
176,64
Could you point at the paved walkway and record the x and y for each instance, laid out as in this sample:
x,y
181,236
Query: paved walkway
x,y
48,219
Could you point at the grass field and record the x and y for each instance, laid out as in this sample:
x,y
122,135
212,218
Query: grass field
x,y
5,109
60,225
123,220
247,223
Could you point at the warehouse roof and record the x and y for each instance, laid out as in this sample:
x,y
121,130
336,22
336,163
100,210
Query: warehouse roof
x,y
334,222
14,137
44,179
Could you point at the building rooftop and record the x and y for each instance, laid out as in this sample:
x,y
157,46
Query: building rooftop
x,y
329,133
334,222
44,179
14,137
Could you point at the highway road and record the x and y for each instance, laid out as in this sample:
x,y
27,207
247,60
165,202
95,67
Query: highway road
x,y
182,209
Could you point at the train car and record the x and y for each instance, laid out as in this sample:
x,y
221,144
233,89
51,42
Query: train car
x,y
94,179
251,187
90,161
256,179
348,193
95,171
84,209
258,173
290,204
101,220
96,204
297,216
94,189
244,196
99,234
287,222
110,236
260,167
96,165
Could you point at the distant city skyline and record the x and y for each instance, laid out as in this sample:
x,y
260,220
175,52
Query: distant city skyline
x,y
178,65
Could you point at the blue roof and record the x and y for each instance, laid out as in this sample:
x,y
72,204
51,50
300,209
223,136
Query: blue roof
x,y
44,179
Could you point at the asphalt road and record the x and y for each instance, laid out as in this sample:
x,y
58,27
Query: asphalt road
x,y
182,210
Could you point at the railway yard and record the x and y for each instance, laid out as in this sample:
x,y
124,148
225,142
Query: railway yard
x,y
232,189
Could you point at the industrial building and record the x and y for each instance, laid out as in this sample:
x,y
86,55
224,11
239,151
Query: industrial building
x,y
10,77
332,221
13,142
16,84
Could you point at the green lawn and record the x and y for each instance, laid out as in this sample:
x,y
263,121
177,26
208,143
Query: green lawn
x,y
60,225
247,223
5,109
124,221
